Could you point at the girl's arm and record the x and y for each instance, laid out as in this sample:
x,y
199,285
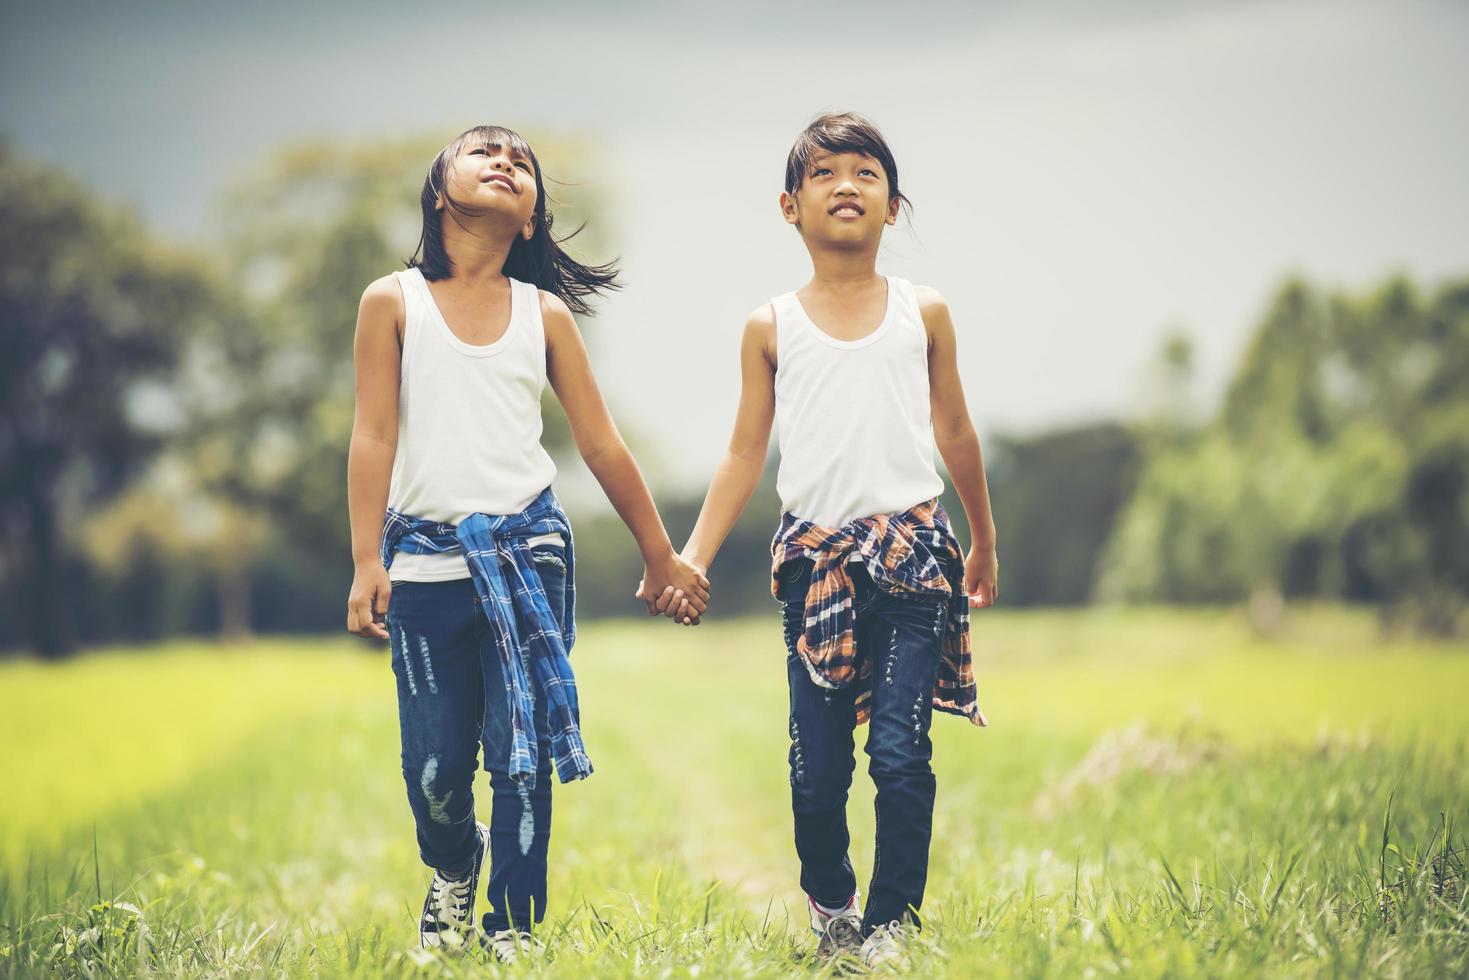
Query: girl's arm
x,y
606,455
739,472
370,456
959,446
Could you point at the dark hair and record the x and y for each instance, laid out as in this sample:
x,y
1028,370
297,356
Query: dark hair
x,y
842,132
540,260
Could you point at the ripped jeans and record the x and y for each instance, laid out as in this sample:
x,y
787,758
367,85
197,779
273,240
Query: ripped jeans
x,y
451,701
899,637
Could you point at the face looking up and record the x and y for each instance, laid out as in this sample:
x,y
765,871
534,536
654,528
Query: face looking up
x,y
491,180
843,200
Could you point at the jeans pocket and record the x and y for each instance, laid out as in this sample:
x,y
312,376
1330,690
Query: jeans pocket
x,y
794,579
414,601
549,554
795,582
550,564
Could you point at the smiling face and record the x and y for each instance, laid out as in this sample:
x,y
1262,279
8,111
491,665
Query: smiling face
x,y
844,200
487,178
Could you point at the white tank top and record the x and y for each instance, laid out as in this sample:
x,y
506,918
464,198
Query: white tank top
x,y
469,421
856,438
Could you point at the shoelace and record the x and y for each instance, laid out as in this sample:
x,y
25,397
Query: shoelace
x,y
843,931
885,940
507,944
450,894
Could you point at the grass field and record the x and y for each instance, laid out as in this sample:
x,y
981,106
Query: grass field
x,y
1160,793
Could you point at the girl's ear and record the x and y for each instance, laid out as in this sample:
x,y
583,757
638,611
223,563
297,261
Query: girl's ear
x,y
529,231
893,206
439,201
788,208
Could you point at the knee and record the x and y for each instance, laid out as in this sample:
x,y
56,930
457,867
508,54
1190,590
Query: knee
x,y
439,777
818,791
819,781
897,750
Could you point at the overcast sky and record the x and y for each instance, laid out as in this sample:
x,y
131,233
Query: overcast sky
x,y
1084,175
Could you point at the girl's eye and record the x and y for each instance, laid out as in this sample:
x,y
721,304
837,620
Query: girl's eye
x,y
523,165
868,173
820,172
479,152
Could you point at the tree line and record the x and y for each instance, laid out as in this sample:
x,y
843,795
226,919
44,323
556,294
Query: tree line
x,y
174,425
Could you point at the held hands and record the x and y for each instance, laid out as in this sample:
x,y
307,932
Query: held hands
x,y
676,589
679,608
981,576
367,603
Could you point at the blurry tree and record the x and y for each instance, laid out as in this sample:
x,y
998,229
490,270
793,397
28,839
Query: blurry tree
x,y
1415,550
1337,466
91,311
1055,497
154,570
1167,402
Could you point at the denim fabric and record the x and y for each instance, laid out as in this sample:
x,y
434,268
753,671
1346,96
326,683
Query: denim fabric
x,y
534,643
901,635
451,702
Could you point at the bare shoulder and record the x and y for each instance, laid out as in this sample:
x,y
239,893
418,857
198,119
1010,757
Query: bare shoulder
x,y
761,321
381,312
760,331
556,316
553,305
383,296
931,302
935,312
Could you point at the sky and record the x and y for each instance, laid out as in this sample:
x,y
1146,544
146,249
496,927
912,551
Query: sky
x,y
1085,176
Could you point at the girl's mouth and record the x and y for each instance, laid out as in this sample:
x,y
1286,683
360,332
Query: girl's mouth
x,y
499,178
846,211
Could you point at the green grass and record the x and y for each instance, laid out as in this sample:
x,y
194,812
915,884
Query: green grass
x,y
1160,794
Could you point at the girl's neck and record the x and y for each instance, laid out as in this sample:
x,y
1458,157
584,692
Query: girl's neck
x,y
841,270
477,255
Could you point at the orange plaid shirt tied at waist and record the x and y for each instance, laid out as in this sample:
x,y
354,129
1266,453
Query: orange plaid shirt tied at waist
x,y
914,554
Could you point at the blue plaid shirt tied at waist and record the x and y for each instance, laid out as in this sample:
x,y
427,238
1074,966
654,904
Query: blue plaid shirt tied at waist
x,y
498,552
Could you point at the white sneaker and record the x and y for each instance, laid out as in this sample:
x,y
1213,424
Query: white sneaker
x,y
448,909
884,947
838,934
507,944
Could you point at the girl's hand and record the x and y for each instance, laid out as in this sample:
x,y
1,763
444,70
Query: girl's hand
x,y
673,585
678,608
981,576
367,603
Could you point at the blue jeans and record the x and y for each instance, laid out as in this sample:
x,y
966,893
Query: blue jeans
x,y
451,701
900,637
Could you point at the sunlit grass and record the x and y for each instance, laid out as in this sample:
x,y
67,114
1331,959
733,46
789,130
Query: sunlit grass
x,y
83,736
1162,793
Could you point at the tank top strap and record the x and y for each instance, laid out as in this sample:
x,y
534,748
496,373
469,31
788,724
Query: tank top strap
x,y
905,300
788,317
528,309
415,289
415,311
